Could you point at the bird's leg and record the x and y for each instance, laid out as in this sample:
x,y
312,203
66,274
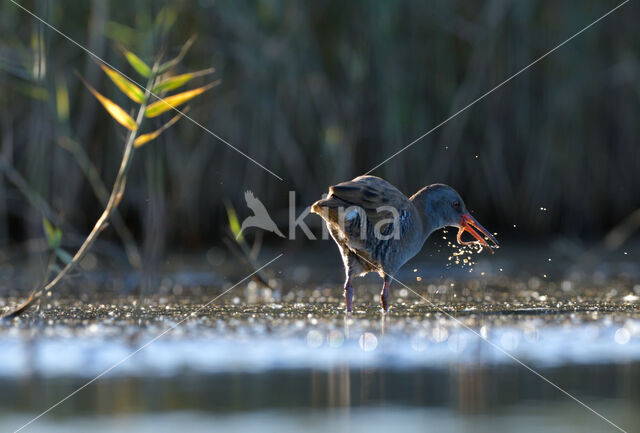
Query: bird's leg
x,y
348,295
384,294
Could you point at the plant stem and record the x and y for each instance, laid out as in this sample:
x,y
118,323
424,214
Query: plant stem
x,y
102,194
114,200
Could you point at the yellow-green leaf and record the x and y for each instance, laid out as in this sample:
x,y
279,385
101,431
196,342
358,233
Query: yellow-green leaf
x,y
62,101
127,87
145,138
173,101
141,67
174,82
234,224
54,235
48,229
114,109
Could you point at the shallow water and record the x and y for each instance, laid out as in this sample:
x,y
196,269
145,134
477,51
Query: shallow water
x,y
532,417
238,366
318,335
445,358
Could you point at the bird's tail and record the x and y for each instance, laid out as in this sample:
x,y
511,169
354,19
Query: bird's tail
x,y
328,208
317,207
322,206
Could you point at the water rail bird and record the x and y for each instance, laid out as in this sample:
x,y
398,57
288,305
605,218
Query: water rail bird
x,y
378,229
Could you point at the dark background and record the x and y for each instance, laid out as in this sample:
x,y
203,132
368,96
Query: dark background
x,y
320,92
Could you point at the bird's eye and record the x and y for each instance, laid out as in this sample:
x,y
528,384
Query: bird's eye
x,y
456,204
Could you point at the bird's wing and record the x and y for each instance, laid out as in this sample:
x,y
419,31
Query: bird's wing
x,y
248,196
373,194
254,204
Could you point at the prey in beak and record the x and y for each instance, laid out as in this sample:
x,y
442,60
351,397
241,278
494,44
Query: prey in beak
x,y
471,225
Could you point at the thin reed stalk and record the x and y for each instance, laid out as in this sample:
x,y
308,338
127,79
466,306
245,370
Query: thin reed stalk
x,y
115,197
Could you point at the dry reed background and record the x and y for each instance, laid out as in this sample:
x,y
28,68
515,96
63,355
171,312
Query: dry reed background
x,y
320,92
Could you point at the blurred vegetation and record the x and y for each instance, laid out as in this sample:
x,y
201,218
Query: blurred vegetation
x,y
320,92
151,100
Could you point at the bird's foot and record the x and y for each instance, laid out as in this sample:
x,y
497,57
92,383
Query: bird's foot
x,y
384,295
385,305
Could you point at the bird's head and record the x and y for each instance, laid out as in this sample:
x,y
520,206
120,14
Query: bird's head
x,y
443,207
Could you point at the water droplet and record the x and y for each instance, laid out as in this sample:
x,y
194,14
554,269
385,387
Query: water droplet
x,y
622,336
368,342
457,343
509,340
314,338
419,342
439,334
336,338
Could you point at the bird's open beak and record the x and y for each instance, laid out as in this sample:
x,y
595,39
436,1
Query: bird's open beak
x,y
469,224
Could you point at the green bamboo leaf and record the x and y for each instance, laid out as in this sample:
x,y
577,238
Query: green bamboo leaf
x,y
173,101
57,236
119,32
127,87
113,109
145,138
141,67
176,81
165,19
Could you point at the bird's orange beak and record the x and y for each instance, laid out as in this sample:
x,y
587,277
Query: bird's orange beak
x,y
469,224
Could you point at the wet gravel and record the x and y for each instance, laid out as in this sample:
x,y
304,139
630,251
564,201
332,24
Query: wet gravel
x,y
492,300
255,327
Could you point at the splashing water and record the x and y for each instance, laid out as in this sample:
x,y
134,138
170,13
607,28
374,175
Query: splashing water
x,y
462,255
